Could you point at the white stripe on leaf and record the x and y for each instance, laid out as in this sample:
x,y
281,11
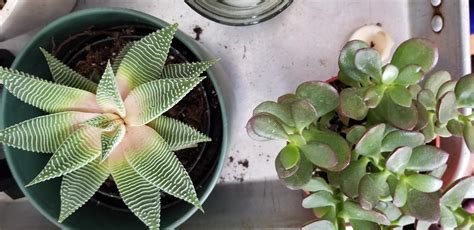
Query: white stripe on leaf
x,y
108,96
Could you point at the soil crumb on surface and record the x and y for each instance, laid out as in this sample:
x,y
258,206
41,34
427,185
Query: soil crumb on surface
x,y
198,31
244,163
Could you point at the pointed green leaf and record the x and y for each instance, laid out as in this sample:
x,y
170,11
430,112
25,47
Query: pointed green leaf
x,y
390,73
465,91
140,196
177,134
424,183
320,224
108,96
352,103
110,139
355,133
145,59
337,143
323,96
469,135
105,121
44,133
317,184
289,156
353,211
427,99
400,95
347,64
280,110
148,101
319,199
399,160
371,143
410,75
454,196
47,96
401,194
80,148
118,59
320,154
267,127
423,206
418,51
446,109
152,158
400,138
184,70
427,158
79,186
64,75
303,113
367,60
372,187
436,80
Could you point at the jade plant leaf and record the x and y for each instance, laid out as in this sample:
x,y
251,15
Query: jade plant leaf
x,y
118,59
439,172
80,148
427,158
446,109
396,115
423,206
144,61
350,177
182,70
373,95
279,110
108,96
414,90
296,177
371,143
447,218
45,133
446,87
400,138
372,187
429,130
469,135
367,61
337,143
110,139
423,116
401,194
427,98
317,184
391,211
399,159
266,126
424,183
47,96
79,186
342,77
454,196
409,75
400,95
177,134
355,133
347,64
319,199
363,225
64,75
141,196
320,154
303,114
353,104
465,91
152,158
390,73
158,96
320,224
323,96
289,156
353,211
436,80
417,51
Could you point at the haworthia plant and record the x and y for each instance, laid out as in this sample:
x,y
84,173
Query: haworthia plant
x,y
115,127
360,144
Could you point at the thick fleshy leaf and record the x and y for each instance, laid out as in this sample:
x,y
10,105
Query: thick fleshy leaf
x,y
140,196
423,116
80,148
346,61
396,115
105,121
108,96
372,187
414,90
64,75
47,96
355,133
342,77
320,154
79,186
148,101
289,156
352,103
418,51
320,224
399,160
373,95
391,211
184,70
409,75
144,60
296,177
303,113
400,138
446,109
44,133
371,143
465,91
423,206
118,59
111,139
400,95
469,135
447,219
368,61
439,172
363,225
323,96
401,194
455,127
350,177
454,196
427,98
266,126
151,157
424,183
177,134
317,184
337,143
353,211
436,80
390,73
319,199
427,158
446,87
279,110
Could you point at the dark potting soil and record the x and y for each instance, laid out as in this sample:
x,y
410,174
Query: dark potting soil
x,y
198,109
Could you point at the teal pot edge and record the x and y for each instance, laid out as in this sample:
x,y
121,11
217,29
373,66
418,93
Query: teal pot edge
x,y
216,74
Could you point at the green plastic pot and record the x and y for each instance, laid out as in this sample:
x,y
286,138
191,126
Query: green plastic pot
x,y
26,165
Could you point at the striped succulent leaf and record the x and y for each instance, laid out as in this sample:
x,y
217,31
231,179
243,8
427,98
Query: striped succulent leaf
x,y
177,134
183,70
45,133
80,148
47,96
78,186
105,121
64,75
108,96
118,59
152,158
111,139
145,59
150,100
142,197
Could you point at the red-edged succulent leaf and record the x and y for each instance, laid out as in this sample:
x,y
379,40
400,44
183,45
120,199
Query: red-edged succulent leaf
x,y
400,95
319,199
353,211
424,183
323,96
320,154
457,192
465,91
281,111
297,176
446,109
417,51
400,138
338,144
427,158
289,156
372,187
436,80
347,64
266,126
303,113
396,115
352,103
355,133
423,206
399,159
367,61
409,75
371,143
373,95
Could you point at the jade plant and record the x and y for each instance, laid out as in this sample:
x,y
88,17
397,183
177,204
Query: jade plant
x,y
363,145
115,127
